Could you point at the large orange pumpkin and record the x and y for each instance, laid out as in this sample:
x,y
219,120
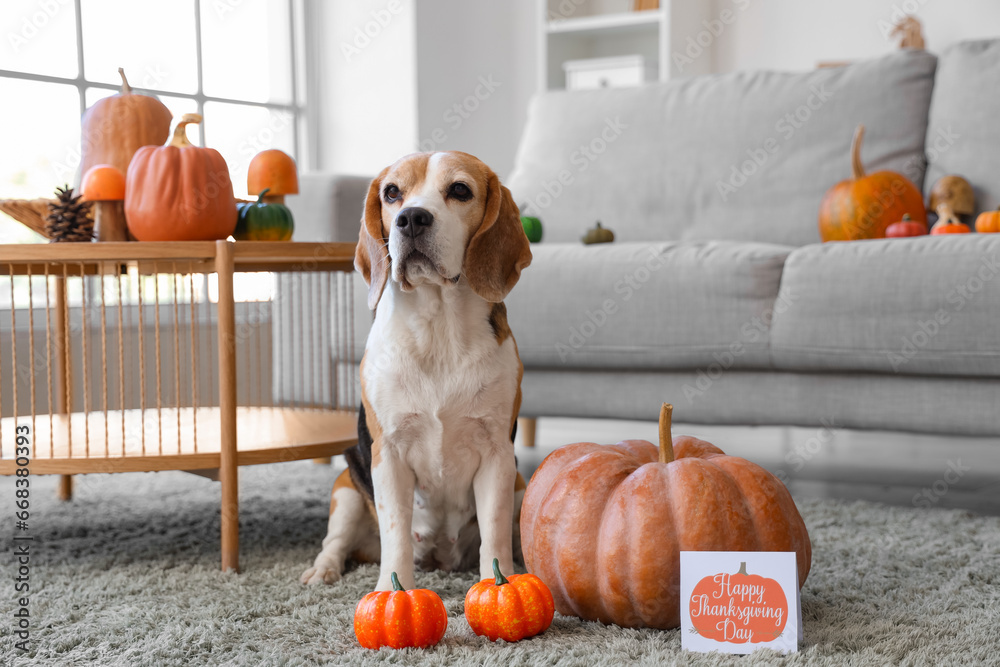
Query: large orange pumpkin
x,y
863,206
179,192
115,127
603,525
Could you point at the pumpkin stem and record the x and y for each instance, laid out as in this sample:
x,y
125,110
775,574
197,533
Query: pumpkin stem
x,y
126,89
906,217
500,579
180,139
857,168
743,569
260,197
666,440
396,586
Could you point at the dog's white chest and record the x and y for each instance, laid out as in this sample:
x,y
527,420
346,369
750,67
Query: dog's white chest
x,y
442,387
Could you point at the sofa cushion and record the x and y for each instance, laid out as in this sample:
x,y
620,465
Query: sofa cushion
x,y
963,134
920,306
647,305
663,161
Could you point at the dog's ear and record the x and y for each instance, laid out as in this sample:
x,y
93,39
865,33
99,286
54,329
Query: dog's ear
x,y
499,249
372,255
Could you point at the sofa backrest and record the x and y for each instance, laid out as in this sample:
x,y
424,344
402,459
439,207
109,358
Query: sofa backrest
x,y
963,134
741,156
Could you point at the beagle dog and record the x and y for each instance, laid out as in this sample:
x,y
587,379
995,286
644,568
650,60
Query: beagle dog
x,y
433,481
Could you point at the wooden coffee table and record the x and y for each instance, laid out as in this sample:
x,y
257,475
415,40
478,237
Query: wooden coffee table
x,y
82,295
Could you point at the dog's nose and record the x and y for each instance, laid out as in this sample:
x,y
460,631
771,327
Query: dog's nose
x,y
414,221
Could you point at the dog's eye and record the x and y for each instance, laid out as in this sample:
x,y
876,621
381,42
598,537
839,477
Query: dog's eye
x,y
460,191
391,194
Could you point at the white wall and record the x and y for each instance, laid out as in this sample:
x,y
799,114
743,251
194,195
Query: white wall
x,y
398,94
796,34
365,70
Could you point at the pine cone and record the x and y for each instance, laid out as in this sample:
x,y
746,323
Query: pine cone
x,y
69,218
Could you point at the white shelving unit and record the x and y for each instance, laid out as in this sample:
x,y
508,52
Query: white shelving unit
x,y
579,29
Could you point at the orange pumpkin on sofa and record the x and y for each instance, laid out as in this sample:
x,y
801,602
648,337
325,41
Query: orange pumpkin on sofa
x,y
988,222
862,207
179,192
603,525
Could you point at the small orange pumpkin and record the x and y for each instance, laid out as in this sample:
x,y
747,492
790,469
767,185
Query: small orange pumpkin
x,y
948,223
603,525
179,192
400,618
988,222
905,227
862,207
509,608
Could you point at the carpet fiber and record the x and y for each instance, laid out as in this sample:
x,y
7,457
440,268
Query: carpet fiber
x,y
127,574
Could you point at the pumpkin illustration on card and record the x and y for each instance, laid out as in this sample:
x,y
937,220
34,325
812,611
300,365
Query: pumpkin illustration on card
x,y
738,607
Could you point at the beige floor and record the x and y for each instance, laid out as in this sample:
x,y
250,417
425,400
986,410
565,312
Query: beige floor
x,y
894,468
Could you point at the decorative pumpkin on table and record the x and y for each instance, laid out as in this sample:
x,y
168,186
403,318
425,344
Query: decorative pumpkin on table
x,y
261,221
598,235
904,228
863,206
400,618
104,184
988,222
179,192
509,608
603,525
532,228
115,127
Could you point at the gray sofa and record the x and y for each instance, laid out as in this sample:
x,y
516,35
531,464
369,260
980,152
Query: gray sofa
x,y
717,294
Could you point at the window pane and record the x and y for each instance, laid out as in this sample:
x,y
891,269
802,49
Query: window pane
x,y
41,147
245,50
239,132
39,37
153,41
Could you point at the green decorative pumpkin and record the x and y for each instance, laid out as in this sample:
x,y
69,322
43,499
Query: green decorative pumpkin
x,y
532,228
598,235
264,221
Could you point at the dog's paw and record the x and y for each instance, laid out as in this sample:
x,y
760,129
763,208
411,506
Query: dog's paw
x,y
319,575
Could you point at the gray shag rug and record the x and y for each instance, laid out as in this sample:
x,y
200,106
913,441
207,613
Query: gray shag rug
x,y
128,574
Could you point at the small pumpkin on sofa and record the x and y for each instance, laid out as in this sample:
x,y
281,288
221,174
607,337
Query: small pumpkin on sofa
x,y
509,608
263,221
988,222
400,618
603,525
179,192
863,206
598,235
948,223
904,228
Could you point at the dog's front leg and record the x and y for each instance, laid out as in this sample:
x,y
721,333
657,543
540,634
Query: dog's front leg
x,y
394,480
494,490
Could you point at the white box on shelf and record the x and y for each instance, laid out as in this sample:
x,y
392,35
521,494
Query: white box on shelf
x,y
614,72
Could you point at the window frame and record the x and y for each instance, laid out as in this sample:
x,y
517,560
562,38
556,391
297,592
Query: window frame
x,y
296,107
